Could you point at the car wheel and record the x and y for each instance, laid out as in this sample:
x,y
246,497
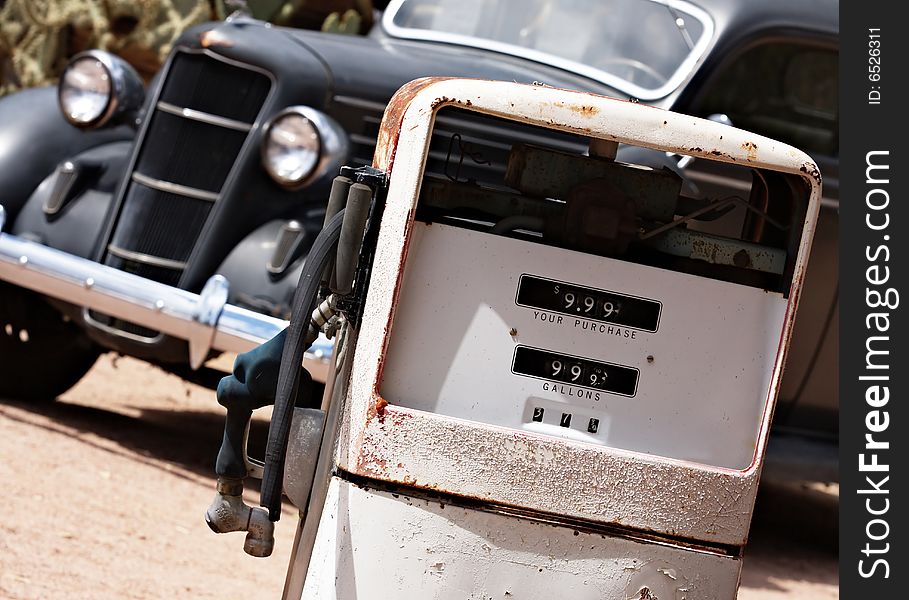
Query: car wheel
x,y
42,354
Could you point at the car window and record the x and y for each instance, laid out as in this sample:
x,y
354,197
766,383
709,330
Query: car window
x,y
645,48
786,91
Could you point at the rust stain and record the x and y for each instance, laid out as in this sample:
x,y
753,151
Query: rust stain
x,y
584,110
376,409
380,405
212,38
751,149
370,462
742,259
389,131
811,170
386,415
443,100
371,466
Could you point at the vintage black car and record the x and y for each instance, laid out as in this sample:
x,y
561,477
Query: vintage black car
x,y
225,166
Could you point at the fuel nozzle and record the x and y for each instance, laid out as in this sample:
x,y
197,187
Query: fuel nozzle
x,y
251,386
227,513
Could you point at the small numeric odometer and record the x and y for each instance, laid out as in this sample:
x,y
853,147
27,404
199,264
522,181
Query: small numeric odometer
x,y
576,371
588,303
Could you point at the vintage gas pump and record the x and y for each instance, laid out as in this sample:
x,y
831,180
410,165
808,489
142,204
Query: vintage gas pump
x,y
556,368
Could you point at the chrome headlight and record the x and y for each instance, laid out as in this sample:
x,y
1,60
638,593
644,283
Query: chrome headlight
x,y
96,86
298,143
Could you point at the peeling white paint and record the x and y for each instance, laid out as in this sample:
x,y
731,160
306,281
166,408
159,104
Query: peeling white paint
x,y
453,553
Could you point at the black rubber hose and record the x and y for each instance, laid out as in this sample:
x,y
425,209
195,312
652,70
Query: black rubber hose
x,y
337,200
322,251
359,199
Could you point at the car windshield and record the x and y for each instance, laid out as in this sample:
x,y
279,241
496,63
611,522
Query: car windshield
x,y
645,48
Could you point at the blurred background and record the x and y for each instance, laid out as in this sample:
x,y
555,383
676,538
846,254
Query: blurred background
x,y
38,37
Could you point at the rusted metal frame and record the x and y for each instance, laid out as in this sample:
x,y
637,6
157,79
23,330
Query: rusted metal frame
x,y
720,250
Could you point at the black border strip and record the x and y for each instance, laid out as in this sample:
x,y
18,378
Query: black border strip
x,y
874,227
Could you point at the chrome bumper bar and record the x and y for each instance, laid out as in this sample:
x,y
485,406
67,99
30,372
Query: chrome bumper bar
x,y
204,320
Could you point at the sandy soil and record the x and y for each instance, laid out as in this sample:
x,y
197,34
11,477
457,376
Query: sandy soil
x,y
105,491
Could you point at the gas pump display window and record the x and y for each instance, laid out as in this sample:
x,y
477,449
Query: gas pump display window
x,y
589,303
573,370
595,299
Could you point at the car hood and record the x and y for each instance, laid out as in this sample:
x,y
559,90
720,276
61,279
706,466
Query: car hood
x,y
373,68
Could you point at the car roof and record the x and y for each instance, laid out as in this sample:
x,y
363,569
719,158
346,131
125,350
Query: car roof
x,y
735,17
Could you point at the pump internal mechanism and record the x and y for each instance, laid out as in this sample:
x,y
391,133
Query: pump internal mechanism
x,y
629,203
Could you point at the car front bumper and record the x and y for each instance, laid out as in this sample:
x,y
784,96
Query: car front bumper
x,y
206,321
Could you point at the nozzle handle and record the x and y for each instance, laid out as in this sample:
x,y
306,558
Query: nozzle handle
x,y
251,386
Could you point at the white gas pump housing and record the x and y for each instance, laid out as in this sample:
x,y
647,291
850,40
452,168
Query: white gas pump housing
x,y
522,418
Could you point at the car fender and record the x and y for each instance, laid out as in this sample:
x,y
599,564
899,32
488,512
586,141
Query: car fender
x,y
251,284
34,138
77,226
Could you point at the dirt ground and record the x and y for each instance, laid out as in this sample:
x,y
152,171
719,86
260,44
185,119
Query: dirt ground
x,y
105,492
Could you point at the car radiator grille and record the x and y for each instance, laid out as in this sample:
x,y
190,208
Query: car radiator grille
x,y
194,135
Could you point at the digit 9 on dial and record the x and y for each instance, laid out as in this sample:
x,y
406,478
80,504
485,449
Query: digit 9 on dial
x,y
574,370
588,303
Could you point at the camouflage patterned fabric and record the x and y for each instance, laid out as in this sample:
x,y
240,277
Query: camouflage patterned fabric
x,y
37,37
334,16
